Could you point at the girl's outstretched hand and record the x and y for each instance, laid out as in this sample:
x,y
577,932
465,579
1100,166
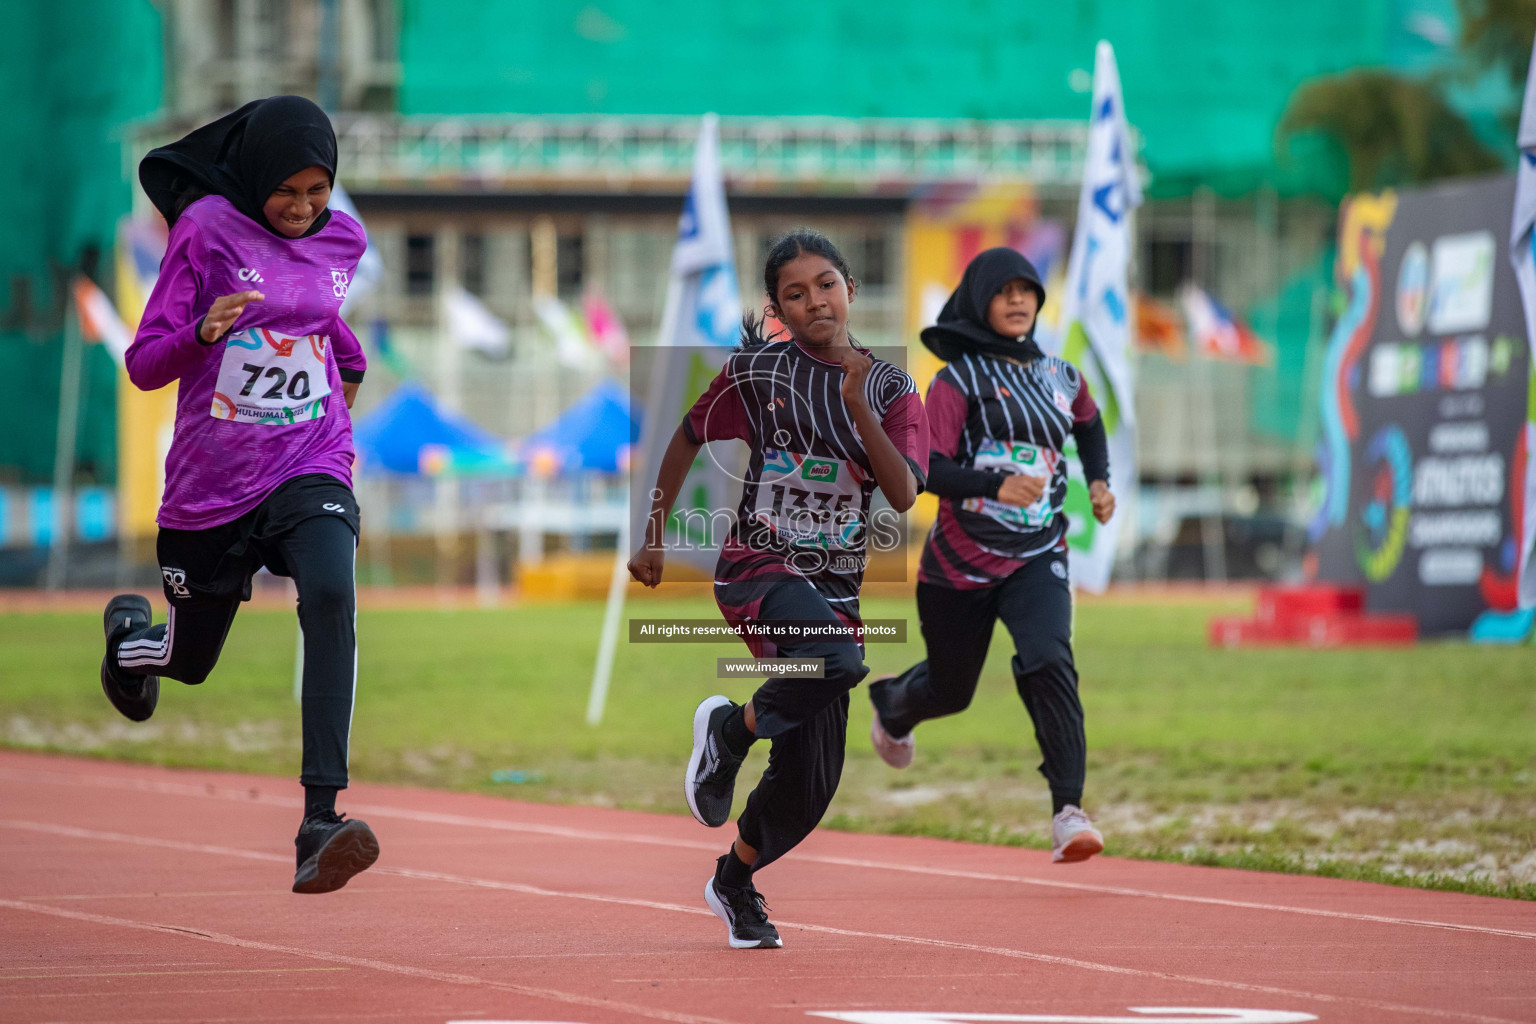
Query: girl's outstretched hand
x,y
856,366
647,564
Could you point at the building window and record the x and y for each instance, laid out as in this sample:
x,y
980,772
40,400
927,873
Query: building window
x,y
1170,263
472,263
420,264
873,266
570,257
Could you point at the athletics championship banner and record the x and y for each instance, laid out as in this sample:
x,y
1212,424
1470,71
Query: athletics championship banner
x,y
1424,398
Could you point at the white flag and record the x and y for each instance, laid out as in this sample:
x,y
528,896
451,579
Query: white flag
x,y
701,322
1521,254
471,325
1095,310
572,345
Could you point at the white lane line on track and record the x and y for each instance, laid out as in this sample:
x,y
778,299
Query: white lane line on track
x,y
534,890
561,832
427,974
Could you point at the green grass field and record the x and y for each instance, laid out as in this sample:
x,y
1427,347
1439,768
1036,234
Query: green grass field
x,y
1415,766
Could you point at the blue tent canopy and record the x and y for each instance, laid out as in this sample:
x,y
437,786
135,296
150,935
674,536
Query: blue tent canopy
x,y
596,433
392,437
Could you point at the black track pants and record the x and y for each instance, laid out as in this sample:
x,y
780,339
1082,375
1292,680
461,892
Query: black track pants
x,y
207,574
806,721
1035,604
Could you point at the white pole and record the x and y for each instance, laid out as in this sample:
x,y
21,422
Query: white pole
x,y
608,644
64,450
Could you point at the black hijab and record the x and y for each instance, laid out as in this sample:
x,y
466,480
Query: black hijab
x,y
963,326
243,157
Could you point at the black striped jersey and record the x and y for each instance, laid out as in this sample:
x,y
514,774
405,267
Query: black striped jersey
x,y
805,498
987,413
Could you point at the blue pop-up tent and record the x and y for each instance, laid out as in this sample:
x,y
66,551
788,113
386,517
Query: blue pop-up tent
x,y
596,434
409,433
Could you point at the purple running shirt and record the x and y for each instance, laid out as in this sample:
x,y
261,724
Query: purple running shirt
x,y
263,404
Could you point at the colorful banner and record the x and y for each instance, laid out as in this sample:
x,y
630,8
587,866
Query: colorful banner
x,y
1522,252
1425,410
1096,314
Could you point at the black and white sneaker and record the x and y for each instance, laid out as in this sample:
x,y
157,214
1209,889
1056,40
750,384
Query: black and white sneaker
x,y
744,913
710,783
330,851
134,696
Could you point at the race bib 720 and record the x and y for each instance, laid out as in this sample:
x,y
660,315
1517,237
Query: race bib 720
x,y
266,377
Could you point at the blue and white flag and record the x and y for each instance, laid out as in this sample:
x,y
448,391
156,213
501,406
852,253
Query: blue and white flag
x,y
1096,306
701,323
1522,239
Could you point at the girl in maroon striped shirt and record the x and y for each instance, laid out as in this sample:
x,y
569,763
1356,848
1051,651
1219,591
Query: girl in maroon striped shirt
x,y
1000,413
826,424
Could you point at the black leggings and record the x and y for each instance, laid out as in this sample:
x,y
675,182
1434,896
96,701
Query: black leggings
x,y
805,720
1035,603
205,581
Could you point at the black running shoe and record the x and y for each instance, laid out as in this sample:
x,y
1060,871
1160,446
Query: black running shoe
x,y
331,850
133,695
711,780
744,913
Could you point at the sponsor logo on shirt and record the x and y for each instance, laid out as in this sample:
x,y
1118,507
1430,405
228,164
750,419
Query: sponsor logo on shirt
x,y
339,282
1061,401
175,580
247,274
819,469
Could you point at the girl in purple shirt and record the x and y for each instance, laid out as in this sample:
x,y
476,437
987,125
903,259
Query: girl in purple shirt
x,y
245,318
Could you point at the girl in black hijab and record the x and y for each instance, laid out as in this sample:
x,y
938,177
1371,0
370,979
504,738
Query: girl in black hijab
x,y
999,415
245,319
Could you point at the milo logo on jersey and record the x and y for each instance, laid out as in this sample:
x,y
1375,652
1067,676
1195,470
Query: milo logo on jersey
x,y
824,470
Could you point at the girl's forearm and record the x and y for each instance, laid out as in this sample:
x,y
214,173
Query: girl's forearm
x,y
891,470
675,464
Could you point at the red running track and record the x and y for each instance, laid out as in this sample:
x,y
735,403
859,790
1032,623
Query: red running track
x,y
138,894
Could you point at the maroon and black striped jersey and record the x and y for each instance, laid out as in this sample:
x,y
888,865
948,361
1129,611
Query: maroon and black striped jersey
x,y
993,414
805,498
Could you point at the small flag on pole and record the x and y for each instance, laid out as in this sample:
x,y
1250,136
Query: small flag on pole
x,y
1216,333
472,325
1159,328
99,321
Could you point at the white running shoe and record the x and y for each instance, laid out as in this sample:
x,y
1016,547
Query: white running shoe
x,y
1073,836
895,752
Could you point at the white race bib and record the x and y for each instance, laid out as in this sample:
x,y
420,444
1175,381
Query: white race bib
x,y
1021,458
266,377
810,501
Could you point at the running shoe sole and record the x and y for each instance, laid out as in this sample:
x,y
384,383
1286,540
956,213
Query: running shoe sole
x,y
140,709
1079,847
730,933
700,738
351,849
